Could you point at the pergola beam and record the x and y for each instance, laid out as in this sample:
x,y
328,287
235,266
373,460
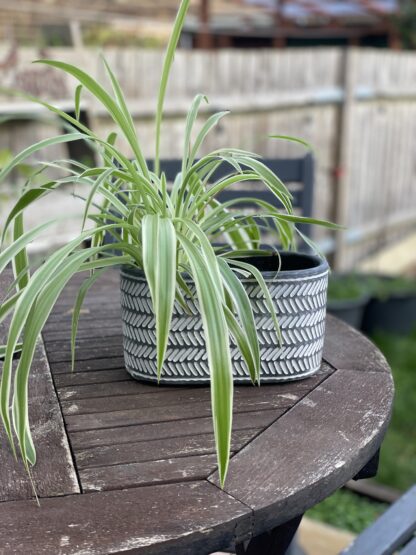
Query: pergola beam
x,y
204,38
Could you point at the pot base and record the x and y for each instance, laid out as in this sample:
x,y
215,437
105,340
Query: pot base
x,y
238,380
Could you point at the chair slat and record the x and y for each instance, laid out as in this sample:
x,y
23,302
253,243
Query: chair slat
x,y
393,529
289,170
410,548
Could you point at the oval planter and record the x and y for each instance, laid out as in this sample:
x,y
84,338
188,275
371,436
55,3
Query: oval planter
x,y
299,293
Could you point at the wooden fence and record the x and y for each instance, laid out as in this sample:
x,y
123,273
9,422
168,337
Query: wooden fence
x,y
357,108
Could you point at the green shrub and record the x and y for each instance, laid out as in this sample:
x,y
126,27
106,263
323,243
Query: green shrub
x,y
398,453
348,511
348,287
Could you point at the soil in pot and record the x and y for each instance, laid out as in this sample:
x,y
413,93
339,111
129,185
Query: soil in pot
x,y
299,293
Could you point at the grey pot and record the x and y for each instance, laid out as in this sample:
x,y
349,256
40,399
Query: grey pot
x,y
299,292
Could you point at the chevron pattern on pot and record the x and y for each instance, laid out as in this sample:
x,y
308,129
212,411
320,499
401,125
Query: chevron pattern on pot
x,y
301,307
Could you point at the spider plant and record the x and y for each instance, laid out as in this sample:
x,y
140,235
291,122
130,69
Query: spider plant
x,y
165,231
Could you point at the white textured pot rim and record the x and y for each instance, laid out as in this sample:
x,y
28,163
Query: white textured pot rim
x,y
315,266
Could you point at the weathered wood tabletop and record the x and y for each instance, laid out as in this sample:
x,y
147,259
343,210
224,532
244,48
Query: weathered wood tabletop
x,y
126,467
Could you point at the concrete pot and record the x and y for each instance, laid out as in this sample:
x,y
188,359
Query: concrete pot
x,y
299,292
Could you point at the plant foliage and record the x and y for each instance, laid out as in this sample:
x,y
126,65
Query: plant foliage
x,y
164,231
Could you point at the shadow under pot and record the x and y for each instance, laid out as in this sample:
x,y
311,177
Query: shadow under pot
x,y
299,294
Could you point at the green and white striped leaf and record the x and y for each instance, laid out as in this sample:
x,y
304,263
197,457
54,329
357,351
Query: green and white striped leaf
x,y
159,265
242,303
218,350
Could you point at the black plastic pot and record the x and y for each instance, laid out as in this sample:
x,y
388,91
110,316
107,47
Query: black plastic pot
x,y
350,311
395,314
350,306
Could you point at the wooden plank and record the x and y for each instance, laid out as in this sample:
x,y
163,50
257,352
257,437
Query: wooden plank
x,y
129,387
374,490
90,365
89,378
347,349
99,299
243,400
63,320
341,423
109,280
156,407
343,188
151,396
167,471
292,390
63,346
54,473
115,351
390,531
83,333
157,413
82,343
175,519
62,323
87,313
158,449
164,430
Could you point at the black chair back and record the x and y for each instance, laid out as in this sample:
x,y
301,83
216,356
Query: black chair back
x,y
297,173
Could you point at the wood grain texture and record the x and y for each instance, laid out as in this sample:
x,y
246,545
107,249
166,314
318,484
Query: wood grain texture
x,y
54,472
62,345
347,349
158,449
54,334
162,430
176,519
164,404
86,353
106,390
151,414
246,398
90,378
314,448
93,365
164,471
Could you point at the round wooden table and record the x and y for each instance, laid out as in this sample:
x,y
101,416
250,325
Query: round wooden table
x,y
138,465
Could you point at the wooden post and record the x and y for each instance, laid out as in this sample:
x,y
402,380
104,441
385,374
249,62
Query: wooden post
x,y
224,41
204,38
341,181
76,34
394,39
280,38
